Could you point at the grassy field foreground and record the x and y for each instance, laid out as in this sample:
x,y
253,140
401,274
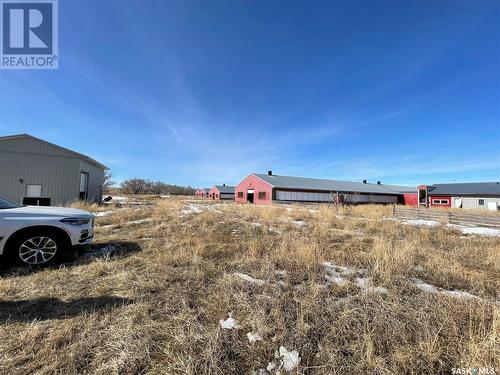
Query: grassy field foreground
x,y
338,286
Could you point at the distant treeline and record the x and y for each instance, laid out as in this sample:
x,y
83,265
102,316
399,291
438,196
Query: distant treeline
x,y
142,186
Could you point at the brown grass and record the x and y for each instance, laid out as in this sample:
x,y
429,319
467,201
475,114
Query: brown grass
x,y
155,307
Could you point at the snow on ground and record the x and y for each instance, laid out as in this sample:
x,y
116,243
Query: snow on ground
x,y
229,323
333,276
191,208
339,275
194,208
119,199
249,278
481,231
429,288
421,222
366,285
298,223
134,222
253,337
288,359
102,213
274,230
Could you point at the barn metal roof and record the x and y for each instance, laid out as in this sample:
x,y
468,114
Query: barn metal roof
x,y
470,188
225,189
74,153
303,183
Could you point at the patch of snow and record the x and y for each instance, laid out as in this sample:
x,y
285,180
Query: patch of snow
x,y
332,276
288,359
253,337
164,196
102,213
191,208
138,221
429,288
141,221
271,366
421,222
481,231
419,268
274,230
229,323
289,209
424,287
366,285
256,224
250,279
118,199
298,223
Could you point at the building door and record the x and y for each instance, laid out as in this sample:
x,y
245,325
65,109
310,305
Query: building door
x,y
84,185
422,197
33,191
250,194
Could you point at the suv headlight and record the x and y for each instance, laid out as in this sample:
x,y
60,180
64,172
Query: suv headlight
x,y
76,221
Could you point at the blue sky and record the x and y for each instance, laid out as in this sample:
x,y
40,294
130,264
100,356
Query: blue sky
x,y
206,92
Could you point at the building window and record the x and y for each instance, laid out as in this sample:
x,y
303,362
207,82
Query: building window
x,y
240,194
216,195
262,195
481,202
34,191
440,201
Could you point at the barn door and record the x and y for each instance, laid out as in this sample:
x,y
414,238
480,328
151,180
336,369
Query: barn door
x,y
84,185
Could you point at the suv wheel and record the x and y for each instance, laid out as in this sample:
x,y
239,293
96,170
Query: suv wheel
x,y
37,248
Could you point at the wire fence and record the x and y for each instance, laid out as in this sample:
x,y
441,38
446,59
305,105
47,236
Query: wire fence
x,y
490,220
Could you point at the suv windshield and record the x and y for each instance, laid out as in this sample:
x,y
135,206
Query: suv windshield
x,y
4,203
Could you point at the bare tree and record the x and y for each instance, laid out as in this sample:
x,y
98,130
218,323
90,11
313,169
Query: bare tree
x,y
142,186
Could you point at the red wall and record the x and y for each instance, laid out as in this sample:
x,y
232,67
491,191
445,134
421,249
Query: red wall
x,y
411,199
255,183
432,197
214,193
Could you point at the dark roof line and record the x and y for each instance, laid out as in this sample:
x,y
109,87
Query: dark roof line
x,y
291,182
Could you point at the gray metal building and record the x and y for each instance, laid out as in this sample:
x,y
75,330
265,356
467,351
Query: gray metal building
x,y
36,172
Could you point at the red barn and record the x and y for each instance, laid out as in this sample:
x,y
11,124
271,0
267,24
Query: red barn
x,y
202,192
269,188
221,192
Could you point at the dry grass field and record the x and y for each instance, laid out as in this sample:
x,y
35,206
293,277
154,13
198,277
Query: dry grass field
x,y
349,290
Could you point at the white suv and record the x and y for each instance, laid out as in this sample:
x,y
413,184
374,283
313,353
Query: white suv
x,y
38,235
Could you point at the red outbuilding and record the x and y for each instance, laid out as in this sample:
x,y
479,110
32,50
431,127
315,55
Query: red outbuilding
x,y
221,192
269,188
202,192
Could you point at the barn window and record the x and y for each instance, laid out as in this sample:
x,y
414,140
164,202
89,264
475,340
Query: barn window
x,y
240,194
481,202
440,201
262,195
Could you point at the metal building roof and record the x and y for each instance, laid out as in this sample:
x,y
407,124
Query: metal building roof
x,y
74,153
303,183
470,188
223,189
